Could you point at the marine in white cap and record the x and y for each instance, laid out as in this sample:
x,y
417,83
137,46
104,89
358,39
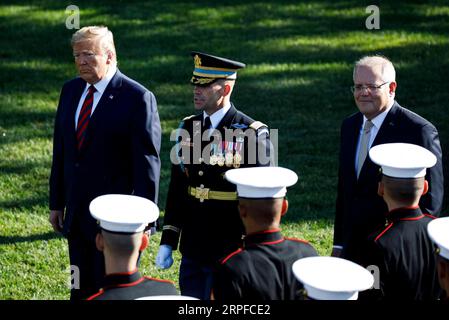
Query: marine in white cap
x,y
261,268
122,219
331,278
438,230
402,249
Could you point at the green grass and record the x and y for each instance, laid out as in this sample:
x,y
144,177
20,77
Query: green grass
x,y
299,56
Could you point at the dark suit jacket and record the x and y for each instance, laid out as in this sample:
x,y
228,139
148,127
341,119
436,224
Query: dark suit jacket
x,y
120,153
359,209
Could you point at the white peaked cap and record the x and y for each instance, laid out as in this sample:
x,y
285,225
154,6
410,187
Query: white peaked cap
x,y
123,213
262,182
438,230
331,278
402,160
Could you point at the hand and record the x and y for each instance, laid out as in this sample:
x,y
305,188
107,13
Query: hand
x,y
164,258
57,220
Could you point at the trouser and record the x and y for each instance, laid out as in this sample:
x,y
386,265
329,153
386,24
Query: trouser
x,y
195,279
87,263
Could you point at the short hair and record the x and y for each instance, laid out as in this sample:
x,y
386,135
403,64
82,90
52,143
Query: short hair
x,y
96,32
263,211
122,245
388,71
404,190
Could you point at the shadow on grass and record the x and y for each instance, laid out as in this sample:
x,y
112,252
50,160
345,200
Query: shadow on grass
x,y
31,238
154,39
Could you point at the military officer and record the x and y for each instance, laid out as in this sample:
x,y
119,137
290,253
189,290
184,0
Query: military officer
x,y
262,268
122,220
201,205
438,230
402,248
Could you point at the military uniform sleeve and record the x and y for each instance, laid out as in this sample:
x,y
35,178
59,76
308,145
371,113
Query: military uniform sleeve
x,y
176,199
265,151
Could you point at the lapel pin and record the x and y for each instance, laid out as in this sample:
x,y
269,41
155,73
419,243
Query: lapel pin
x,y
111,96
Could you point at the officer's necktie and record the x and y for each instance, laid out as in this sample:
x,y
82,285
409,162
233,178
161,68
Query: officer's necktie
x,y
364,145
84,116
207,124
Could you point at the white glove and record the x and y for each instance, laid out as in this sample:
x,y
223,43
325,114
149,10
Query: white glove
x,y
164,258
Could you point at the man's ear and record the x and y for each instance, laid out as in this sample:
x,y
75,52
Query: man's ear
x,y
426,187
145,241
392,87
99,241
380,189
226,90
284,207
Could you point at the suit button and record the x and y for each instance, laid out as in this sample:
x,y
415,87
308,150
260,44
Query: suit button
x,y
201,185
200,173
77,165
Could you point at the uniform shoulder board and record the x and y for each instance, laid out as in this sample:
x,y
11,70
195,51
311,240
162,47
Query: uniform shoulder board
x,y
256,125
187,118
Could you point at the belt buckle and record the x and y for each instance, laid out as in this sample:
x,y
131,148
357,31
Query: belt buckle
x,y
202,193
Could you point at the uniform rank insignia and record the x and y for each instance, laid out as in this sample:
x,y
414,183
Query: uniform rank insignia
x,y
239,126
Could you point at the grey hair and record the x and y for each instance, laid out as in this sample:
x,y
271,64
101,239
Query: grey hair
x,y
388,72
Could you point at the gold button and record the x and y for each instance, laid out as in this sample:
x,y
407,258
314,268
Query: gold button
x,y
200,173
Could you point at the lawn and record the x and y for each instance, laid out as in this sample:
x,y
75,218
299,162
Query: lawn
x,y
299,57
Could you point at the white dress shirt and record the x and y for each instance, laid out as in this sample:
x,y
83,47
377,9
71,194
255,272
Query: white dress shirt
x,y
100,86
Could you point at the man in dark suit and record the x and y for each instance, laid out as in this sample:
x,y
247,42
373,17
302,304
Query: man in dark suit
x,y
380,120
106,140
201,205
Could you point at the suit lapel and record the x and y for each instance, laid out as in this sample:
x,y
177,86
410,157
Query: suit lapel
x,y
350,155
387,126
384,135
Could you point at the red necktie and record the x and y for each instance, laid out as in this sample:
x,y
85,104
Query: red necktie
x,y
83,118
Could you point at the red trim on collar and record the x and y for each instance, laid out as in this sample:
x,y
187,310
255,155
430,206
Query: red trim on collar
x,y
405,208
128,273
99,293
411,219
297,240
159,280
429,215
385,230
124,285
272,242
231,255
265,231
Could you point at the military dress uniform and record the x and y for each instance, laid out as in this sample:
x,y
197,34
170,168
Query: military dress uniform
x,y
405,256
402,249
202,209
131,286
262,269
200,202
